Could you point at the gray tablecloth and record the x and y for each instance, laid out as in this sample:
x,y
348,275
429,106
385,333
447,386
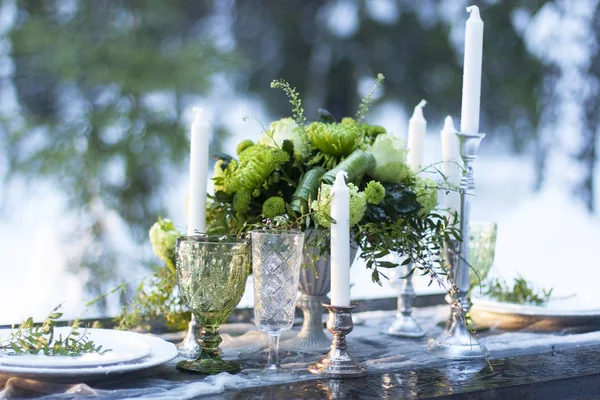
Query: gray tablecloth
x,y
242,342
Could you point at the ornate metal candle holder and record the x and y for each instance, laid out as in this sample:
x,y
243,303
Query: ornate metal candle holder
x,y
338,363
405,325
455,341
189,346
315,283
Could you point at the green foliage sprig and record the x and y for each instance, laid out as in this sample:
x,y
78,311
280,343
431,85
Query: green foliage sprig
x,y
418,238
365,103
521,292
294,98
156,299
29,338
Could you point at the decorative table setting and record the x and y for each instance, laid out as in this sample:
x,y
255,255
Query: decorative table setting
x,y
292,211
398,367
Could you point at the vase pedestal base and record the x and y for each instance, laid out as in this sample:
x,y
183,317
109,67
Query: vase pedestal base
x,y
405,326
189,346
456,343
311,337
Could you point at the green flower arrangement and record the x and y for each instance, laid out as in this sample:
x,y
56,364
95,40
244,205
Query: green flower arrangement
x,y
284,178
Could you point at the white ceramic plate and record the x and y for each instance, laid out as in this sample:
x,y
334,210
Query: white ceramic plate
x,y
124,347
556,315
160,353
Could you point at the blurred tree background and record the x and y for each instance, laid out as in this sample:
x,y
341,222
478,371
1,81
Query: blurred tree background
x,y
88,77
103,85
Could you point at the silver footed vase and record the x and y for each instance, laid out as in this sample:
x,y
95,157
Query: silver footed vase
x,y
190,347
314,285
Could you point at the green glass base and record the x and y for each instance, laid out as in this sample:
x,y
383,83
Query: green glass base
x,y
208,366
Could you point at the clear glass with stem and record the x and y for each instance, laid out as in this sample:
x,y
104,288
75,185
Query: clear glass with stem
x,y
276,260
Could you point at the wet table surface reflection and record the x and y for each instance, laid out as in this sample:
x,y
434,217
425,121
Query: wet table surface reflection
x,y
521,365
568,374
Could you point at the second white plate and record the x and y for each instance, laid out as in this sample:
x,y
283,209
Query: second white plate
x,y
160,353
124,347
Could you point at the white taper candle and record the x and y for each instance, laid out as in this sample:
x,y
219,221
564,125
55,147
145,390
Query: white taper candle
x,y
471,92
340,242
198,173
452,162
417,126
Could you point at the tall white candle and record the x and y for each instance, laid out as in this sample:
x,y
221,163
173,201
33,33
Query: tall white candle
x,y
452,162
471,93
340,242
417,126
198,174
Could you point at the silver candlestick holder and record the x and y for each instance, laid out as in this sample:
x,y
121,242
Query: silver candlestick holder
x,y
456,342
314,284
405,325
338,363
190,347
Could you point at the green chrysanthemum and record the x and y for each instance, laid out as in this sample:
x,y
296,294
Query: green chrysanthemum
x,y
334,139
273,207
241,201
253,169
279,157
243,145
375,192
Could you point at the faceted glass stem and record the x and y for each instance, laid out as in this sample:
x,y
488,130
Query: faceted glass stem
x,y
273,361
209,341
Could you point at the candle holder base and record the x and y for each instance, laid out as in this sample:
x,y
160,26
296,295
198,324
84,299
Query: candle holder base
x,y
456,343
340,366
338,363
405,326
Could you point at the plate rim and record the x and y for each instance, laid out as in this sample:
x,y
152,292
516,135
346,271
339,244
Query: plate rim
x,y
161,352
86,363
529,310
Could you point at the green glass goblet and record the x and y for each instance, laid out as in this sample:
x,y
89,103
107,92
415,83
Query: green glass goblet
x,y
482,245
212,273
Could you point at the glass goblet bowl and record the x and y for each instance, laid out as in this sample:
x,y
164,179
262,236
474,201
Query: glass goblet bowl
x,y
212,273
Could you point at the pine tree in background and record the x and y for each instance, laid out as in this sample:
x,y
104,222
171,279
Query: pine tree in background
x,y
105,83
